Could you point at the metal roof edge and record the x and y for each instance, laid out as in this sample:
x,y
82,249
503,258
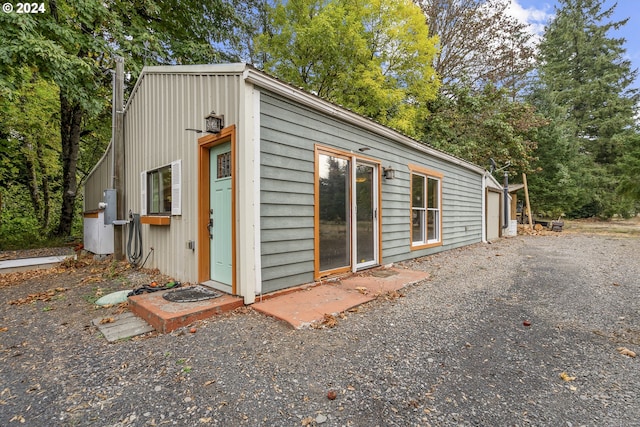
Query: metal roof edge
x,y
493,179
231,67
226,68
262,79
259,78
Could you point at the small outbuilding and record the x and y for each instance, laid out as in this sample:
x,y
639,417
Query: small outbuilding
x,y
292,189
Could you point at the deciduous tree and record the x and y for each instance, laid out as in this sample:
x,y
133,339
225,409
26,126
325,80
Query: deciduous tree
x,y
373,57
72,43
479,43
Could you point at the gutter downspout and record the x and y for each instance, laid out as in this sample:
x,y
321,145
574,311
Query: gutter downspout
x,y
484,207
506,200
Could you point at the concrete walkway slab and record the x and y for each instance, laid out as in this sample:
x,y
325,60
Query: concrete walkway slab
x,y
24,264
309,305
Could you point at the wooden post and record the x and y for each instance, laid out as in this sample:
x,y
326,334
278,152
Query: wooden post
x,y
526,197
118,155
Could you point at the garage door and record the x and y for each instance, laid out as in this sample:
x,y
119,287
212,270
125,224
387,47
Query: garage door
x,y
493,215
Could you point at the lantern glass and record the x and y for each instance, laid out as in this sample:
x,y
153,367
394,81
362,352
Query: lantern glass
x,y
214,123
389,173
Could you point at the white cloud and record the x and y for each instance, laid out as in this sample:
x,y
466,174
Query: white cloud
x,y
536,17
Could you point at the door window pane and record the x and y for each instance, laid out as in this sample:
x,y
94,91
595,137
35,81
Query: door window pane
x,y
334,210
365,213
223,165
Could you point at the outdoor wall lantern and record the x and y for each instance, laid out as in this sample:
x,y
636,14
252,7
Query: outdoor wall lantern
x,y
389,173
214,123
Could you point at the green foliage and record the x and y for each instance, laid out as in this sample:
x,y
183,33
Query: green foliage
x,y
30,141
480,125
373,57
72,46
629,169
584,87
19,226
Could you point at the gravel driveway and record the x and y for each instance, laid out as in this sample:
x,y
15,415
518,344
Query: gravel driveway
x,y
454,350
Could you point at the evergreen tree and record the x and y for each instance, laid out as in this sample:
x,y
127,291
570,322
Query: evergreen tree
x,y
583,72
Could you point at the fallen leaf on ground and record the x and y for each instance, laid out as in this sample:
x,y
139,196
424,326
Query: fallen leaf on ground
x,y
391,295
107,320
566,377
329,320
626,352
5,329
91,279
363,290
122,307
40,296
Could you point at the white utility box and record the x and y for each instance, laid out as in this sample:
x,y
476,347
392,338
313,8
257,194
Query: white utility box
x,y
98,237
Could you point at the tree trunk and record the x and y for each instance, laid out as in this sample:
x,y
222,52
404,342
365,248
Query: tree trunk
x,y
71,114
32,181
46,197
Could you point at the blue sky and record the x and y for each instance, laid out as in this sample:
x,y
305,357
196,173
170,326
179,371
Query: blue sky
x,y
538,12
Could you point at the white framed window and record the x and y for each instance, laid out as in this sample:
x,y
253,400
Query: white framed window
x,y
426,210
160,190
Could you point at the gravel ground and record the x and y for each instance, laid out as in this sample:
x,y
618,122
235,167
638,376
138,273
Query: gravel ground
x,y
454,350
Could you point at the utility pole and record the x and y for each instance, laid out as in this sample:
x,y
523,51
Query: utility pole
x,y
118,156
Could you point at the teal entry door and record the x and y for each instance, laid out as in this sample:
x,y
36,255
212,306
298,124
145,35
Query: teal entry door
x,y
220,221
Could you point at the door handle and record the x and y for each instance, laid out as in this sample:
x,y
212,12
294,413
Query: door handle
x,y
210,227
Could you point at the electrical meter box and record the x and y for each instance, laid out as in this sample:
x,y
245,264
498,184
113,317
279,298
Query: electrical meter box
x,y
110,210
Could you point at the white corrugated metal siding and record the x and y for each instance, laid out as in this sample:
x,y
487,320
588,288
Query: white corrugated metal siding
x,y
165,102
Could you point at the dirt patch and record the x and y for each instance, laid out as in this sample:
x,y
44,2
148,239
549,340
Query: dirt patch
x,y
618,226
613,227
70,290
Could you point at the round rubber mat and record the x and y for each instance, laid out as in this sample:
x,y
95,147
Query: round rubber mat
x,y
191,294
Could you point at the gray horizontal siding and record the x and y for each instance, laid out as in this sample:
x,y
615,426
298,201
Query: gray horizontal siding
x,y
287,199
288,135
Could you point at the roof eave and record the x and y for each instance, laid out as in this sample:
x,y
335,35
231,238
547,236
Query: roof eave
x,y
261,79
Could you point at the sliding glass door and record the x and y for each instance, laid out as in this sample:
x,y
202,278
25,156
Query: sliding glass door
x,y
346,212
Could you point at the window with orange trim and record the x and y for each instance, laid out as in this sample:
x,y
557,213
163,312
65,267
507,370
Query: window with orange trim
x,y
426,218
